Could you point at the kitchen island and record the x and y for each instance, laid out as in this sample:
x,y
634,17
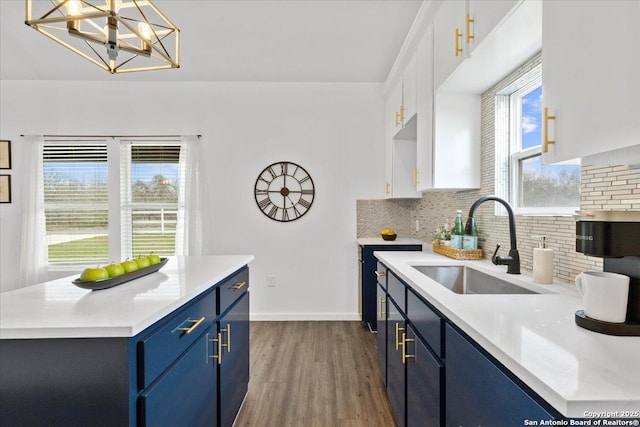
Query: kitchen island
x,y
531,341
147,352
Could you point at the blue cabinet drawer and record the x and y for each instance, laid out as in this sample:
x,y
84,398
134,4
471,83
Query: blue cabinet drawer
x,y
397,290
426,322
232,288
158,350
381,275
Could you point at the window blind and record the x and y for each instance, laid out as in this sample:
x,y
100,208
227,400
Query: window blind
x,y
151,180
76,201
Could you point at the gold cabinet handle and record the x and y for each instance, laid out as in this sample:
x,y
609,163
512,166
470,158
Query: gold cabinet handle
x,y
381,313
545,130
239,285
398,118
380,273
194,324
228,331
406,356
386,189
458,49
470,21
415,177
398,329
219,355
401,113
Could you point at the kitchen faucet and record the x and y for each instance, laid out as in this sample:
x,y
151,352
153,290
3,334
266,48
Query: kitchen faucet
x,y
512,261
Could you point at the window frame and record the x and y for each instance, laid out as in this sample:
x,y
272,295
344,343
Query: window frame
x,y
114,204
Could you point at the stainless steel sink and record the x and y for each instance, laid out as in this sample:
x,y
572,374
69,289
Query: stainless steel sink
x,y
465,280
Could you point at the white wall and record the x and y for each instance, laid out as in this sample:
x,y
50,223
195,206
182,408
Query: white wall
x,y
335,131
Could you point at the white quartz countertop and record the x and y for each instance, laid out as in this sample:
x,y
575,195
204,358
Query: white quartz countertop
x,y
59,309
579,372
381,241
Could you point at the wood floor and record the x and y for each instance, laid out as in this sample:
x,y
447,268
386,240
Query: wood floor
x,y
307,374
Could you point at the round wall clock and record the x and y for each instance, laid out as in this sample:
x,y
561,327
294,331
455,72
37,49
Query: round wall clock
x,y
284,191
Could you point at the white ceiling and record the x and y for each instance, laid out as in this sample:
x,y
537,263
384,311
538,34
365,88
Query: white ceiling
x,y
238,40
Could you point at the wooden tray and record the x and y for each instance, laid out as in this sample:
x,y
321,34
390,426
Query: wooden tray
x,y
473,254
118,280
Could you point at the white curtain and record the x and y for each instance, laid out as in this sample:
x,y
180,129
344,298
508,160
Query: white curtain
x,y
189,232
33,248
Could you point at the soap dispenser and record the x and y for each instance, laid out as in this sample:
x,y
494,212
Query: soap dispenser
x,y
542,262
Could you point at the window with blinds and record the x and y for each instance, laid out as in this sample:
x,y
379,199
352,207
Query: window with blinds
x,y
76,201
150,185
93,218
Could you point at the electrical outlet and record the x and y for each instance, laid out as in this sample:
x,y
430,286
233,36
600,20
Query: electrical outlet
x,y
271,281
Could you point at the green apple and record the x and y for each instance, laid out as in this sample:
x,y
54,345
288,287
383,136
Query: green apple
x,y
114,270
142,262
93,274
129,265
154,259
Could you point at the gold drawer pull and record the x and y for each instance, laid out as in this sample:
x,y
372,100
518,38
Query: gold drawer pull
x,y
381,313
406,356
219,355
238,285
398,329
381,273
228,331
195,324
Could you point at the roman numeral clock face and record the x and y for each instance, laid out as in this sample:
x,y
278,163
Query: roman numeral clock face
x,y
284,191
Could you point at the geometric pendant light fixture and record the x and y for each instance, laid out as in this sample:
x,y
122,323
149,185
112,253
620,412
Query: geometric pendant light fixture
x,y
119,36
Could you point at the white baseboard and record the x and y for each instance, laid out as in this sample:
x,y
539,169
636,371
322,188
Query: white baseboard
x,y
304,316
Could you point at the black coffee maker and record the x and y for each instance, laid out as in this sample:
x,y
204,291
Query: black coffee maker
x,y
614,236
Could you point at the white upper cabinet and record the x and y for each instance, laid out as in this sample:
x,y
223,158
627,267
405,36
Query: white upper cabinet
x,y
482,17
590,77
449,39
424,131
409,91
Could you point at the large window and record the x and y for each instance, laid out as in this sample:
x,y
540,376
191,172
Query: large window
x,y
111,199
532,188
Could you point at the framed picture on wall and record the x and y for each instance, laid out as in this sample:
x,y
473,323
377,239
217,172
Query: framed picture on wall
x,y
5,154
5,188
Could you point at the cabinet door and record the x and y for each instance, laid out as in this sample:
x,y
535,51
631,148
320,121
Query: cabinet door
x,y
234,366
424,131
381,337
424,384
590,82
395,367
409,90
449,47
186,393
485,16
477,390
392,126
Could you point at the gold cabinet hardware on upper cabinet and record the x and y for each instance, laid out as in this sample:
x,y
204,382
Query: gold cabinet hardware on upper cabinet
x,y
380,273
381,313
239,285
458,48
400,116
470,21
545,130
386,189
415,177
406,356
398,329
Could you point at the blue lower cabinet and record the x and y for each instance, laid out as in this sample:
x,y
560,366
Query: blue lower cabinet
x,y
395,367
479,393
185,394
381,338
234,364
425,381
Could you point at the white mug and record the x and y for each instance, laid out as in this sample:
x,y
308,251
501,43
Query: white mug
x,y
605,295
